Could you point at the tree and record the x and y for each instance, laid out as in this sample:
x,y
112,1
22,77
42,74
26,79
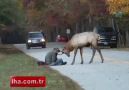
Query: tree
x,y
118,7
11,12
55,12
11,17
73,13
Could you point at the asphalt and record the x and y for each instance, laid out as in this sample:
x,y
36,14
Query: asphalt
x,y
113,74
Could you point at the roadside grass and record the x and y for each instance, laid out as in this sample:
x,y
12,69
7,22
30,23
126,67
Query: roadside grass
x,y
13,62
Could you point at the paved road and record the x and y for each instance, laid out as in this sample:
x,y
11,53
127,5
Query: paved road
x,y
113,74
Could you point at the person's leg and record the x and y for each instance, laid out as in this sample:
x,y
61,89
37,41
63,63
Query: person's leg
x,y
52,64
59,61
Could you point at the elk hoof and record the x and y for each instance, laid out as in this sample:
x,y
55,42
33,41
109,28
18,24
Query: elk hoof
x,y
71,63
90,62
81,63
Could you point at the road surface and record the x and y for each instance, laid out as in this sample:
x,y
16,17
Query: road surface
x,y
113,74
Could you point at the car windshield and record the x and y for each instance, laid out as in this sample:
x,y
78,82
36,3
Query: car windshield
x,y
35,35
104,30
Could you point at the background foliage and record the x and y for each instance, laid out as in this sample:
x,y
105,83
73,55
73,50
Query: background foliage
x,y
58,15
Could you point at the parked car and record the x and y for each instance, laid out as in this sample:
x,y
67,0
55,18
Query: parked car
x,y
35,39
108,37
62,38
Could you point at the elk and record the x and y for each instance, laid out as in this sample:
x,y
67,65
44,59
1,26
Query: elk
x,y
80,40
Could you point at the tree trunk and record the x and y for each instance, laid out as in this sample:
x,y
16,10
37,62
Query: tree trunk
x,y
57,30
127,38
77,28
0,40
112,23
83,25
120,38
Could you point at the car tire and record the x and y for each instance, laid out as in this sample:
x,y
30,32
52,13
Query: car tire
x,y
27,46
57,41
113,46
44,46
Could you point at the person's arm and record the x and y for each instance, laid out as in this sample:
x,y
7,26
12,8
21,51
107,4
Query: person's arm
x,y
54,57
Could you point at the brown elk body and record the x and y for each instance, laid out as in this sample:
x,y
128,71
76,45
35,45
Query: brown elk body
x,y
78,41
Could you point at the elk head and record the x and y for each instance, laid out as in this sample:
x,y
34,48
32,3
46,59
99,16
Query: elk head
x,y
66,51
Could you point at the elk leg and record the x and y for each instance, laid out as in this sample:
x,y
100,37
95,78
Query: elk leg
x,y
75,52
81,51
94,50
100,54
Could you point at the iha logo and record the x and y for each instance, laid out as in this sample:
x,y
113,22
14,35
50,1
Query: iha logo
x,y
27,81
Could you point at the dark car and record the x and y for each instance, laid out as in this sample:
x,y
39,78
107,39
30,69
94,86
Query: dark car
x,y
62,38
108,37
35,39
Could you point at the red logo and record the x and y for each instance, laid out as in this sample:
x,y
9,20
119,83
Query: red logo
x,y
28,81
